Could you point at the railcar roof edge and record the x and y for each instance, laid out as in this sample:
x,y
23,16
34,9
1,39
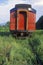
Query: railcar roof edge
x,y
23,6
33,10
19,5
13,9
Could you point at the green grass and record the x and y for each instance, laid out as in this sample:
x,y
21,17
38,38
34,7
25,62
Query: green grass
x,y
18,51
4,28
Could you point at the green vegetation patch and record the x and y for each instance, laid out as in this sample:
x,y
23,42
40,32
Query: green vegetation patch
x,y
21,51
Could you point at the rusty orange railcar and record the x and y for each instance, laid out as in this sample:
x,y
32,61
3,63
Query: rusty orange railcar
x,y
22,19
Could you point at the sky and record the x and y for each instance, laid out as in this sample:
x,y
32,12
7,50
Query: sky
x,y
6,5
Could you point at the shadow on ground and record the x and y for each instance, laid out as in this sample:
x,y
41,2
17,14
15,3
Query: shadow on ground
x,y
5,33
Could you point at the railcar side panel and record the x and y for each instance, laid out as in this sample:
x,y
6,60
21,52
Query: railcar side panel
x,y
31,21
12,21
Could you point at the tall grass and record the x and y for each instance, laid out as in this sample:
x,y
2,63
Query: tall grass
x,y
18,51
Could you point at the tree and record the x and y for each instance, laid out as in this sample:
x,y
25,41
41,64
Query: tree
x,y
7,24
39,23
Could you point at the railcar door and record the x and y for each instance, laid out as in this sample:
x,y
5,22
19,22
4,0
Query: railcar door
x,y
21,20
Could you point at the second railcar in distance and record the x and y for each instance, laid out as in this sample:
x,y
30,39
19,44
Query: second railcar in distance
x,y
22,19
